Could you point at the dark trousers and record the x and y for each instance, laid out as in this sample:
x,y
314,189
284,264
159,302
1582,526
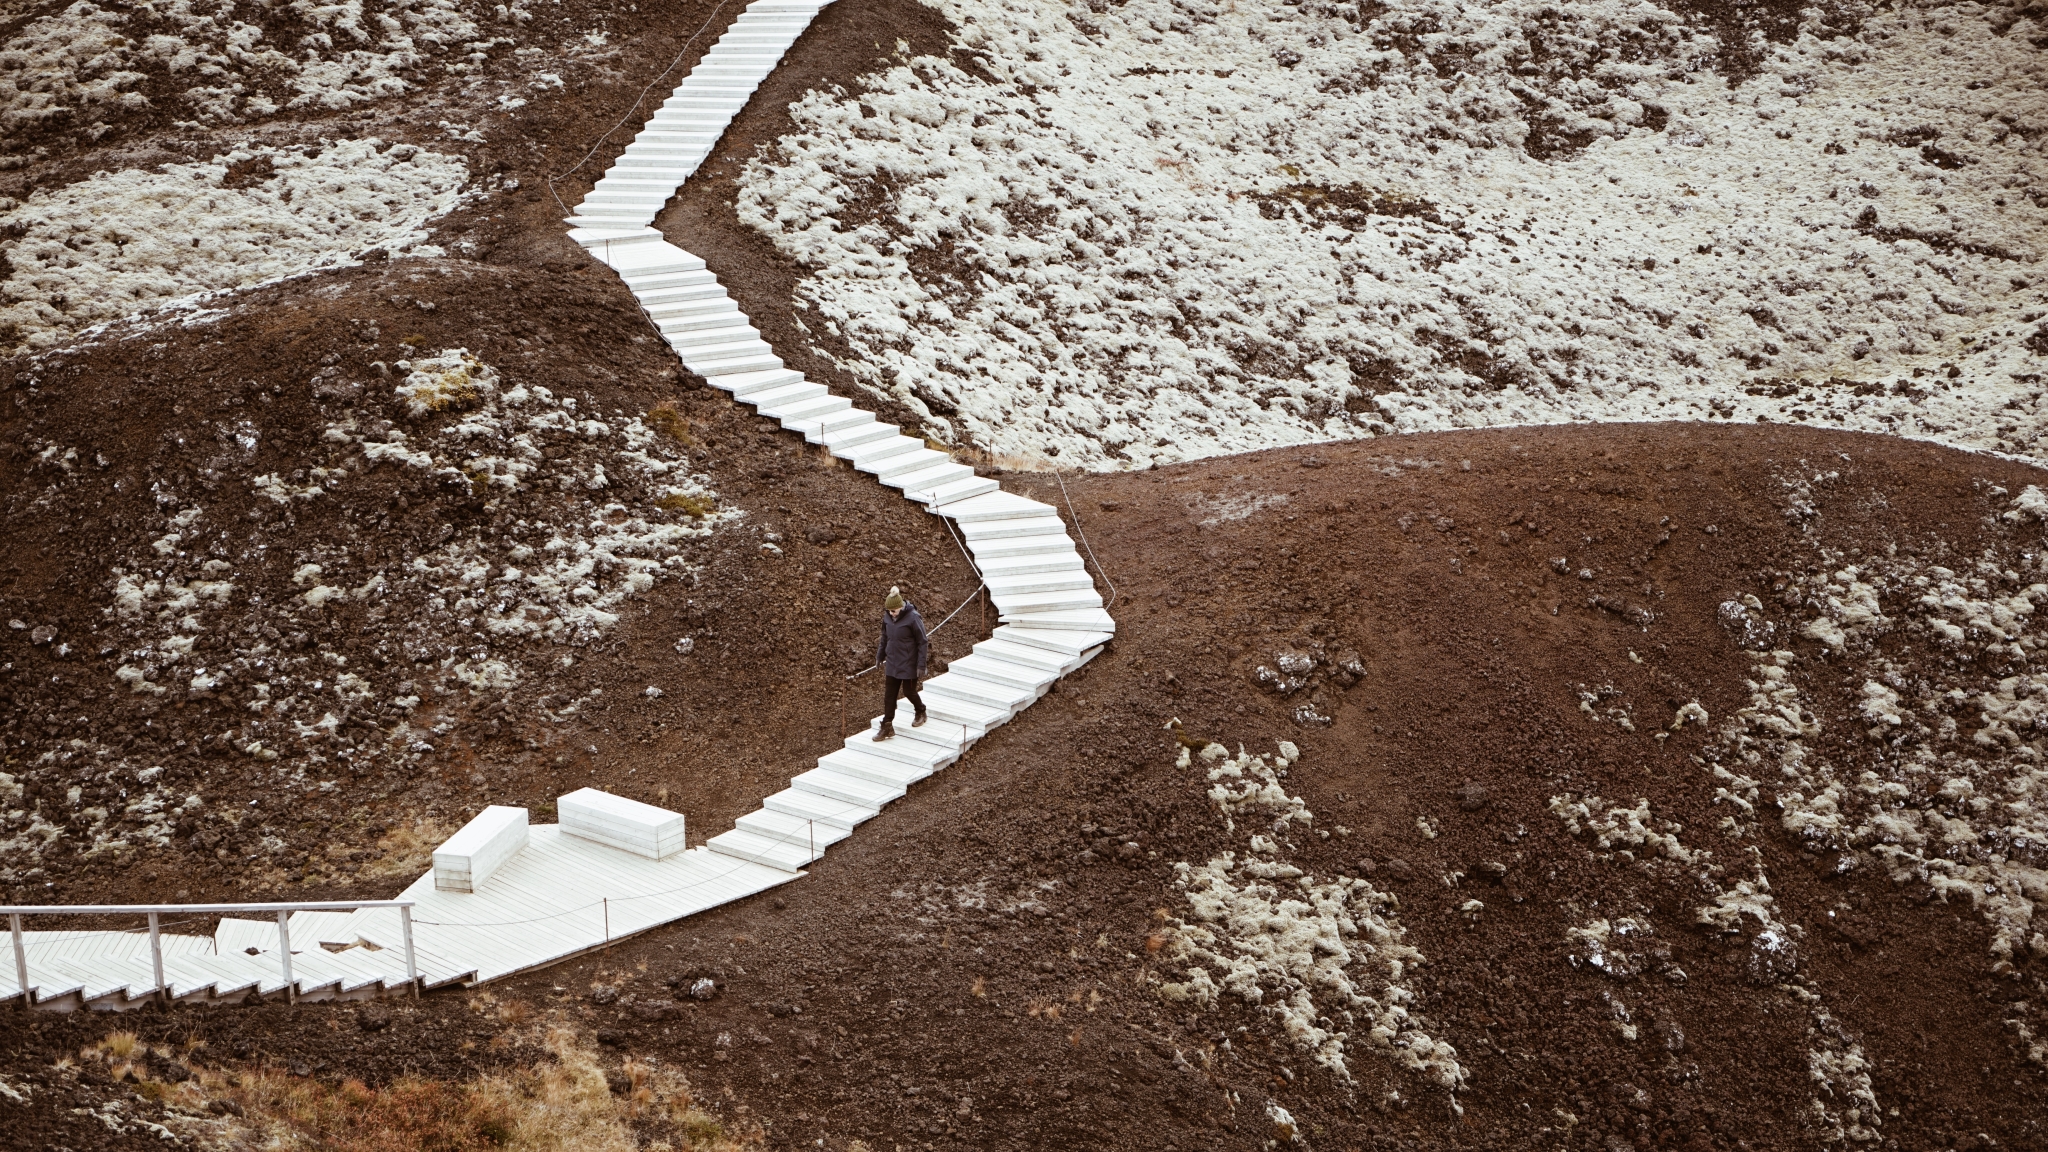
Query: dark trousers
x,y
892,688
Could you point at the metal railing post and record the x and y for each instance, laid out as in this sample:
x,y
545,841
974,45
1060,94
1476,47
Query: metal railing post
x,y
811,831
284,949
412,969
156,956
20,957
155,912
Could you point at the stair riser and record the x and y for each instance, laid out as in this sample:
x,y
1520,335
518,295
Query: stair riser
x,y
845,823
866,791
918,756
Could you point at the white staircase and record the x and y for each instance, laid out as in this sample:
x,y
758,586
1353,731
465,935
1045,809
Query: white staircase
x,y
560,894
1052,618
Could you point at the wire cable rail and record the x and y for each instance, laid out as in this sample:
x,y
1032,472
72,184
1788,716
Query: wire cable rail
x,y
161,989
1078,531
628,114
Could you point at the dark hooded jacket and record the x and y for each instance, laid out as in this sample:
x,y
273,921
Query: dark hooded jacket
x,y
904,646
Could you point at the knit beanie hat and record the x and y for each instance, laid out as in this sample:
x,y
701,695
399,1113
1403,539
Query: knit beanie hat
x,y
895,599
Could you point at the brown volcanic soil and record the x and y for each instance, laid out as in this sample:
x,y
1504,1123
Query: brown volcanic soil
x,y
876,1004
774,633
1475,649
887,997
882,998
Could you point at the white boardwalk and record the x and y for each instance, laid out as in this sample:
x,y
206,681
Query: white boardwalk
x,y
561,895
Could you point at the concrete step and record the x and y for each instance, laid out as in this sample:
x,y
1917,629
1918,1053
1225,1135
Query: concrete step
x,y
1005,537
816,429
714,89
735,64
610,202
835,785
661,290
757,41
1031,563
868,766
788,829
735,343
1027,655
811,806
948,719
637,260
724,87
940,731
620,208
714,315
649,167
999,506
926,479
812,409
790,393
1070,645
655,166
1006,588
993,668
744,845
599,240
872,453
673,142
843,442
1076,620
694,116
961,489
674,135
744,386
658,282
894,464
682,300
988,693
710,368
928,753
1019,605
705,340
630,186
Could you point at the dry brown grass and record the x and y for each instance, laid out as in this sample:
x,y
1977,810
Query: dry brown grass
x,y
979,457
699,506
664,418
412,1113
564,1101
408,848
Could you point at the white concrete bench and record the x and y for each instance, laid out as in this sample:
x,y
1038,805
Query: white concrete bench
x,y
465,860
641,829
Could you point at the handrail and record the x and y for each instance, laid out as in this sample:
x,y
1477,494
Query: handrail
x,y
14,913
137,909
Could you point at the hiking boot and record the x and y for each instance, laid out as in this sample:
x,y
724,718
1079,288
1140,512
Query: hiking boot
x,y
918,721
885,732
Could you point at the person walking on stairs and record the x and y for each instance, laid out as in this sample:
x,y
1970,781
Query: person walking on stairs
x,y
901,654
